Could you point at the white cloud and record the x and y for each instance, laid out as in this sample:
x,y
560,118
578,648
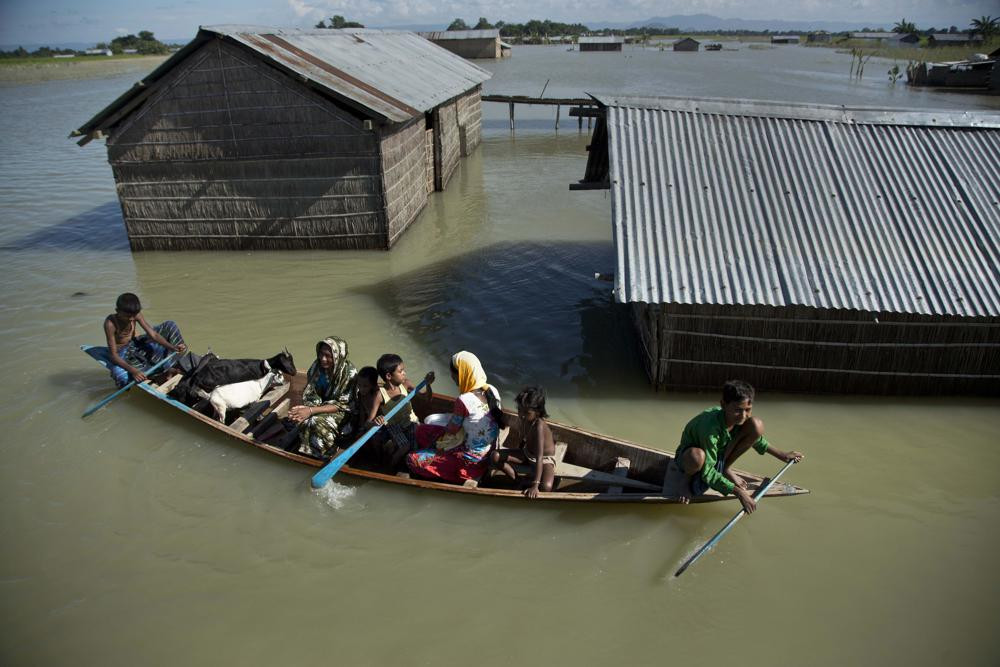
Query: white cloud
x,y
123,31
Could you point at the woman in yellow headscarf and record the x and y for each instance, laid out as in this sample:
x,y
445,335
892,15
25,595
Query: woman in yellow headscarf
x,y
477,412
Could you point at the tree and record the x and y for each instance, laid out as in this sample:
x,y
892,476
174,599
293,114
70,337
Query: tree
x,y
904,27
458,24
338,22
987,26
483,24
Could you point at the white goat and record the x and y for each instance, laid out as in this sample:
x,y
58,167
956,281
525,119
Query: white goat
x,y
240,394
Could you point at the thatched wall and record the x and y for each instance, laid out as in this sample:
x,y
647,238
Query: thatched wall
x,y
404,174
429,155
447,144
811,350
472,48
230,153
470,121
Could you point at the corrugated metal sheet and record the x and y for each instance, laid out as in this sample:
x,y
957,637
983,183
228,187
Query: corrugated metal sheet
x,y
461,34
601,40
394,75
736,202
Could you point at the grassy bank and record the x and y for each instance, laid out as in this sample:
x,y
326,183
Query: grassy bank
x,y
32,70
914,53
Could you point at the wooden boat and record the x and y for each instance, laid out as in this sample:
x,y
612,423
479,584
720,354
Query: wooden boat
x,y
591,467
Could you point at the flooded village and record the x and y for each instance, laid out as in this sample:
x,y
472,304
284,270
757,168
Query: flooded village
x,y
628,223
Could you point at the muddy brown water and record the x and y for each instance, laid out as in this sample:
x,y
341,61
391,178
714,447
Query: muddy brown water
x,y
137,537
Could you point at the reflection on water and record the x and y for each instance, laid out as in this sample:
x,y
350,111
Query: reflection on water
x,y
188,545
101,228
532,311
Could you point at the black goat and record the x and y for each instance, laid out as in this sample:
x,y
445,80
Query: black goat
x,y
212,372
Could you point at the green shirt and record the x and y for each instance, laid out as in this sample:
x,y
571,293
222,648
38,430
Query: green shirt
x,y
708,431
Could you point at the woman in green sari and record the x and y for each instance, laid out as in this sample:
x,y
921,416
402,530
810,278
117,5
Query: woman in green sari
x,y
327,398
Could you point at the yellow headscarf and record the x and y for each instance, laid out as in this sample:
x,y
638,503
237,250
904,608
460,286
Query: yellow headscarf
x,y
471,375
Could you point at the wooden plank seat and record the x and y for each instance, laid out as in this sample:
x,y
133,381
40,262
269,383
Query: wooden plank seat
x,y
170,383
621,470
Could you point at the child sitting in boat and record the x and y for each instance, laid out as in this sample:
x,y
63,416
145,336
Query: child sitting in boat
x,y
712,441
403,428
535,443
130,355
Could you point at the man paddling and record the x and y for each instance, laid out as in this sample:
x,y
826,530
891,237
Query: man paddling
x,y
711,443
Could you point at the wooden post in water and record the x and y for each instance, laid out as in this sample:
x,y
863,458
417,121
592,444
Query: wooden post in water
x,y
557,116
511,116
579,122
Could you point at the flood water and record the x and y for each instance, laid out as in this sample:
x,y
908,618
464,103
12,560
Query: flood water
x,y
136,537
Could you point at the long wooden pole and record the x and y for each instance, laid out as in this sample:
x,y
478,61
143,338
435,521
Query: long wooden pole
x,y
732,522
91,410
331,468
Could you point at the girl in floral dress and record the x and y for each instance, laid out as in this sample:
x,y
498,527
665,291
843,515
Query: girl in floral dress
x,y
476,412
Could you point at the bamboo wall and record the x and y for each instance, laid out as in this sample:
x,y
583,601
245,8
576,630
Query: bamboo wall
x,y
470,121
447,145
818,351
404,173
230,153
429,155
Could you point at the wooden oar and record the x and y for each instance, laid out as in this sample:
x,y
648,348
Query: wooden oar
x,y
91,410
732,522
331,468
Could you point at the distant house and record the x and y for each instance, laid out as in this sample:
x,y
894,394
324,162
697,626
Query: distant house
x,y
266,138
686,44
98,52
891,39
954,39
472,44
610,43
784,39
130,51
819,38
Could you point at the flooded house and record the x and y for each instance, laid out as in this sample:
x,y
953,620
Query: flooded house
x,y
955,39
784,39
802,247
609,43
472,44
889,39
686,44
253,137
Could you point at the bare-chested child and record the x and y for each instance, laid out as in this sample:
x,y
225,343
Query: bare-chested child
x,y
130,355
536,444
711,443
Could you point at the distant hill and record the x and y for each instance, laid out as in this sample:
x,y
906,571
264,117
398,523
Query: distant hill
x,y
707,22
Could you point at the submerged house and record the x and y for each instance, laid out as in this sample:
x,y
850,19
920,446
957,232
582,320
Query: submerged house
x,y
609,43
254,137
805,248
481,44
686,44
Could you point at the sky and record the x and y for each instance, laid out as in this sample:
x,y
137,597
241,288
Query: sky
x,y
92,21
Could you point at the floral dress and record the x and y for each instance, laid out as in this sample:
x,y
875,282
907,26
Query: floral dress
x,y
469,459
318,434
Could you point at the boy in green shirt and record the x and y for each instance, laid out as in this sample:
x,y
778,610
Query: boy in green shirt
x,y
712,441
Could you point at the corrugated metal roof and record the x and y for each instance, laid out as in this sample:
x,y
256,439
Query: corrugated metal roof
x,y
601,40
461,34
739,202
391,74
